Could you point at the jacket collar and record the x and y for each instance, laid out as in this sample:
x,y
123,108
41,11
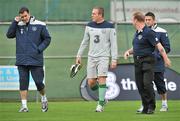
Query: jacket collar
x,y
154,26
32,19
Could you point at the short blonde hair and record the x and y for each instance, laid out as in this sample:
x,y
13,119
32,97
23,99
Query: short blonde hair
x,y
139,16
100,10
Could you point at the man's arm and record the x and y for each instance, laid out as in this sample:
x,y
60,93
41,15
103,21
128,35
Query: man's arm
x,y
128,52
163,54
165,42
46,39
83,46
11,33
114,48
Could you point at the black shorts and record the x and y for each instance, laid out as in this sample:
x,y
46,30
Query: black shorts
x,y
159,82
37,73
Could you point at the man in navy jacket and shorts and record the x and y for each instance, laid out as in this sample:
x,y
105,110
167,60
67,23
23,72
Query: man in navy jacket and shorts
x,y
32,38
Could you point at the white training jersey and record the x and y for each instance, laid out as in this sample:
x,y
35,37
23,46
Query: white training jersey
x,y
101,39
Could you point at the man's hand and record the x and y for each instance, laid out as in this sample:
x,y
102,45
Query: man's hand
x,y
17,18
113,64
78,60
126,54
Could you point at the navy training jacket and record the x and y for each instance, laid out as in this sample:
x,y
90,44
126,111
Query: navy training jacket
x,y
31,40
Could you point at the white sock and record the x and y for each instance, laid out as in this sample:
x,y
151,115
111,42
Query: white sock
x,y
164,103
43,98
24,103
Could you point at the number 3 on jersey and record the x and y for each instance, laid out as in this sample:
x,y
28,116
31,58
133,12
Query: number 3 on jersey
x,y
96,40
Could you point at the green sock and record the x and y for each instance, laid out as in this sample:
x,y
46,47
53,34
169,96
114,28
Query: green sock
x,y
102,92
95,87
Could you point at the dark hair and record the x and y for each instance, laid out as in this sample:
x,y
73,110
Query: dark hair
x,y
139,16
23,9
100,10
150,14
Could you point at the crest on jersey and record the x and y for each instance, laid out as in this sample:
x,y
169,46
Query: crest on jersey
x,y
34,28
156,39
139,36
21,31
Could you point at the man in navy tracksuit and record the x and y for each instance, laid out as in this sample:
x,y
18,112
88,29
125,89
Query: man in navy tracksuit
x,y
144,44
159,69
32,38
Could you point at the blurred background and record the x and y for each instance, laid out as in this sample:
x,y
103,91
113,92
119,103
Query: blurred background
x,y
66,21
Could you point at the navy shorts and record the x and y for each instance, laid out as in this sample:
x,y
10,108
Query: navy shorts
x,y
37,73
159,82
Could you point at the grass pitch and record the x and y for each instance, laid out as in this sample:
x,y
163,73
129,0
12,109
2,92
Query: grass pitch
x,y
84,111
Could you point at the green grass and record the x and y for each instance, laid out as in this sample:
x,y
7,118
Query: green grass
x,y
84,111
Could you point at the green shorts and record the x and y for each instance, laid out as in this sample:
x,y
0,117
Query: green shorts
x,y
97,66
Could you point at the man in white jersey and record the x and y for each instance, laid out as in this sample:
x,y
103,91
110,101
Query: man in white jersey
x,y
100,36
